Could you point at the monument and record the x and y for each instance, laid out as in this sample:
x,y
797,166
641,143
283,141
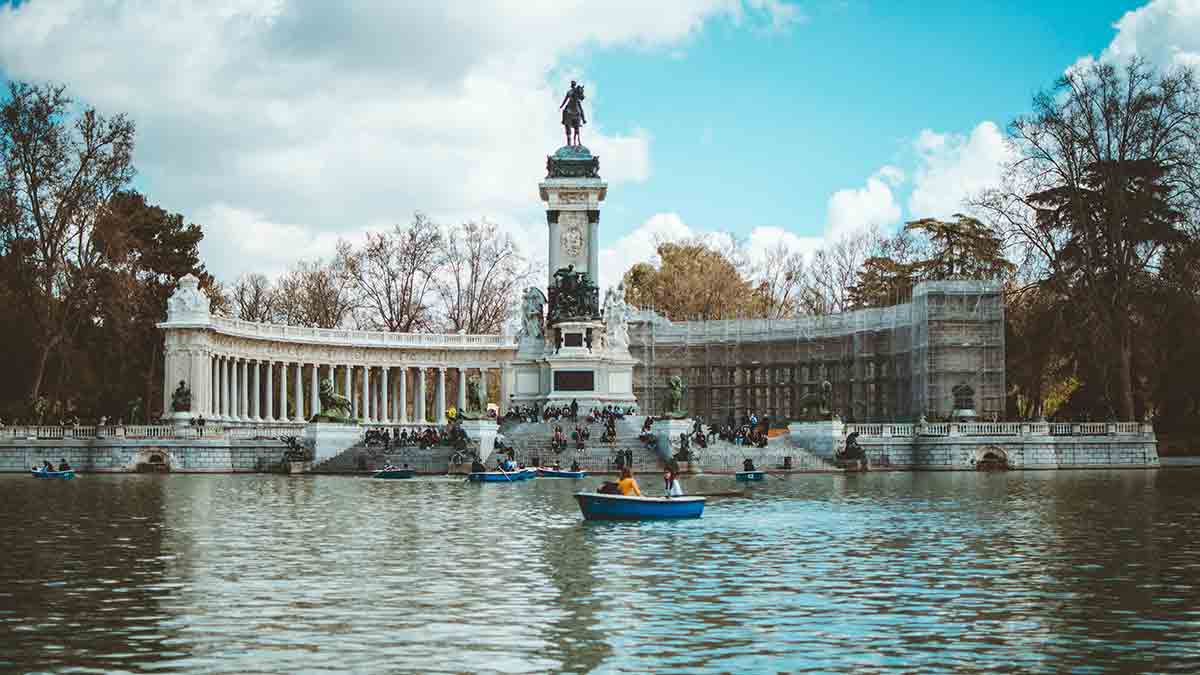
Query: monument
x,y
570,347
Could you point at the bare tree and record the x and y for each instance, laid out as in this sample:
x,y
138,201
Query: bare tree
x,y
780,282
57,171
1104,175
252,297
393,274
315,294
834,272
482,275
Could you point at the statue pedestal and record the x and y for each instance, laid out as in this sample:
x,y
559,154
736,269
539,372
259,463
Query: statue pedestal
x,y
822,438
484,433
180,420
667,432
328,439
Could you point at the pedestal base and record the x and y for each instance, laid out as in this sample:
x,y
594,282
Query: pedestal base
x,y
482,432
328,439
180,420
822,439
667,432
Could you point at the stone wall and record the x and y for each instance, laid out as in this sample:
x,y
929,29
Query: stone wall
x,y
124,455
961,446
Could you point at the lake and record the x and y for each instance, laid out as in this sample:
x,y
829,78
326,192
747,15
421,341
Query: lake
x,y
1021,572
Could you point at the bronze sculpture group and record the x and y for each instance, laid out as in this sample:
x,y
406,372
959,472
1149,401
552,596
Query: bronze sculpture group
x,y
573,295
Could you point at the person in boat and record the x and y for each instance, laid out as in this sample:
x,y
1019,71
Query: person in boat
x,y
748,465
671,481
62,464
46,465
477,466
575,465
628,484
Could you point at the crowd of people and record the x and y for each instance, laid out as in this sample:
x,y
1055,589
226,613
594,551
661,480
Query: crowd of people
x,y
567,412
431,436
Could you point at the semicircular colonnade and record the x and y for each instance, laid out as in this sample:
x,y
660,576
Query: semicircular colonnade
x,y
251,373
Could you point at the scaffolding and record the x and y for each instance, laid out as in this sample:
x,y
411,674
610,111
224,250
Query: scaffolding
x,y
885,364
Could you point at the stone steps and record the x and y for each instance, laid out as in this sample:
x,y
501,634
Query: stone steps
x,y
362,457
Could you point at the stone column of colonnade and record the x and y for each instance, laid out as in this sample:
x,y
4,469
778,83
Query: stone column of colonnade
x,y
243,390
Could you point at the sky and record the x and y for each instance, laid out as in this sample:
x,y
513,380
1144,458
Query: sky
x,y
281,126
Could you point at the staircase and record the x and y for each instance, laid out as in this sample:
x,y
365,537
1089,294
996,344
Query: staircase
x,y
361,457
535,441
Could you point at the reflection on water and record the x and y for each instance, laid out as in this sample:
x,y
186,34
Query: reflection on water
x,y
1039,572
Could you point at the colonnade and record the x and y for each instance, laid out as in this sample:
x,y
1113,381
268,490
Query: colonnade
x,y
256,390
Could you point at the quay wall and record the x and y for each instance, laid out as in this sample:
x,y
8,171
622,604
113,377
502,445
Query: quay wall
x,y
124,455
961,446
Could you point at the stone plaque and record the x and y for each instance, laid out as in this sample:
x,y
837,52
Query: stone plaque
x,y
574,380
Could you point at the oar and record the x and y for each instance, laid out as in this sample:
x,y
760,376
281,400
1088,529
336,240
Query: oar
x,y
717,494
500,468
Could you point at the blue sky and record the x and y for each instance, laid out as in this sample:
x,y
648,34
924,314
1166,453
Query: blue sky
x,y
750,127
284,127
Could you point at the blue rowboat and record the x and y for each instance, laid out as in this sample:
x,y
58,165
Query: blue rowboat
x,y
750,475
394,473
560,473
65,475
501,477
596,506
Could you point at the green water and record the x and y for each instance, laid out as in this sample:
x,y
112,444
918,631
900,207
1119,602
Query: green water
x,y
1039,572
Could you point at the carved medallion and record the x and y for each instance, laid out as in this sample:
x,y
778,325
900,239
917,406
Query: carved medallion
x,y
572,241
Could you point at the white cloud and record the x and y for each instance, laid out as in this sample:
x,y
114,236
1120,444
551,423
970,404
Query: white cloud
x,y
953,167
874,204
765,238
1166,32
639,246
334,118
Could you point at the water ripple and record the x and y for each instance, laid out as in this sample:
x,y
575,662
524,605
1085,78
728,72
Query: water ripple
x,y
1078,572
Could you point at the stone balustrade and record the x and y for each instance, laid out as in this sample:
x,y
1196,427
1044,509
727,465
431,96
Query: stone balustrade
x,y
1001,429
358,338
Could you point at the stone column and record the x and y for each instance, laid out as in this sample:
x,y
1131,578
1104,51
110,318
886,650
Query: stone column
x,y
298,386
383,396
483,388
283,392
366,400
314,391
462,389
505,392
214,389
350,392
243,391
252,411
270,410
230,402
346,386
441,395
395,411
419,403
402,394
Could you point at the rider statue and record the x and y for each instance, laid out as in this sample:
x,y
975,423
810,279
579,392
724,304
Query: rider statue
x,y
572,113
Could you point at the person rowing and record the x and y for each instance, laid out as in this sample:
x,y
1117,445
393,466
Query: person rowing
x,y
628,485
